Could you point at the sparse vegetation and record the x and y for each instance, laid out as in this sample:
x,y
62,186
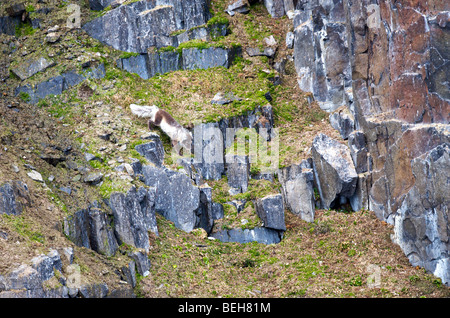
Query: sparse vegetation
x,y
326,258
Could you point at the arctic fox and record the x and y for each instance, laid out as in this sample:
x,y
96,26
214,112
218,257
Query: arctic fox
x,y
180,136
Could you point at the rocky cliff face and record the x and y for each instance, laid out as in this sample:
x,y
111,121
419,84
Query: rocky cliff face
x,y
387,62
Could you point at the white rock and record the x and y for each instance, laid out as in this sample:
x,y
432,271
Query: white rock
x,y
36,176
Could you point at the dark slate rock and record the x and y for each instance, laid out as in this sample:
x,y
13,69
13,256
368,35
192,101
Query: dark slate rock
x,y
146,198
140,25
217,211
194,58
129,221
270,210
342,121
31,66
24,277
142,262
334,171
44,266
129,273
358,151
53,86
8,25
28,91
94,291
98,5
259,234
176,198
205,210
297,183
71,78
88,156
91,228
208,150
93,178
153,151
11,195
67,190
135,64
239,6
238,172
95,73
16,9
275,7
76,228
101,234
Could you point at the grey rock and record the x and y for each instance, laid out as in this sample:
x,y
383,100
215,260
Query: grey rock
x,y
161,62
208,151
333,170
205,210
360,199
8,25
321,53
238,172
129,221
11,195
44,266
53,86
142,262
298,190
275,8
421,222
270,210
94,291
217,211
71,79
176,198
238,6
90,228
259,234
93,178
16,9
76,228
358,151
31,66
146,24
98,5
268,51
129,273
342,121
101,235
96,72
290,40
153,151
56,85
194,58
24,277
238,204
88,156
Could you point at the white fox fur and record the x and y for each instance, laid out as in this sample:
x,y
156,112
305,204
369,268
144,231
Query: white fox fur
x,y
158,117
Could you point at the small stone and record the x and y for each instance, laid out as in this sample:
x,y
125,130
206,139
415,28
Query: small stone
x,y
270,41
36,176
94,178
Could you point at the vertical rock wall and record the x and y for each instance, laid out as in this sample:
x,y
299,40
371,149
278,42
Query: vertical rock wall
x,y
388,62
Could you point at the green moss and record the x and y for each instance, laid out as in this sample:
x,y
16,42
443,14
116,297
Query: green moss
x,y
126,55
218,20
24,29
24,96
23,228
